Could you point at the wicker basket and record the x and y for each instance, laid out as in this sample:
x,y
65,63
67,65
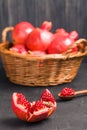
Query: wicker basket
x,y
46,70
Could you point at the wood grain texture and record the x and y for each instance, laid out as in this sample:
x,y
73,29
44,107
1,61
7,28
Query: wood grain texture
x,y
70,14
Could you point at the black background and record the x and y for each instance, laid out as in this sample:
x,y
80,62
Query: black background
x,y
70,14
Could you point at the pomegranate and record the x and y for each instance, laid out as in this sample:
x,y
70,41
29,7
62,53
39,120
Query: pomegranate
x,y
46,25
74,36
61,31
39,40
36,110
20,32
63,41
19,48
59,44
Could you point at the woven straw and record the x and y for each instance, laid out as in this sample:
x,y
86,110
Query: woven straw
x,y
46,70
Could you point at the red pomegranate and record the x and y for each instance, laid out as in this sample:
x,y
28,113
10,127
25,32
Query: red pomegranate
x,y
21,32
63,41
36,110
39,40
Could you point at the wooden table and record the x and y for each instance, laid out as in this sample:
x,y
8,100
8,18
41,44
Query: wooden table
x,y
69,115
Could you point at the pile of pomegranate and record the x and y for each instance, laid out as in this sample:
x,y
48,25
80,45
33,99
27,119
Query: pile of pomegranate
x,y
36,110
41,40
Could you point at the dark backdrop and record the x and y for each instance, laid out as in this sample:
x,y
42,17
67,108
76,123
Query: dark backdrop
x,y
70,14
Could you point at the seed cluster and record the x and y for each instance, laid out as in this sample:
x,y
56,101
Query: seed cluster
x,y
67,92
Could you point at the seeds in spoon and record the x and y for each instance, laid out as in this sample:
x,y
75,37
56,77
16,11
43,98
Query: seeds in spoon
x,y
67,92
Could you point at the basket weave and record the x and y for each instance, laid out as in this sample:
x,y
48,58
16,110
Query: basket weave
x,y
46,70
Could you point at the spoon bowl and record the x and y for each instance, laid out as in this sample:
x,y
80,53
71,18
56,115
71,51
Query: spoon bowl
x,y
65,97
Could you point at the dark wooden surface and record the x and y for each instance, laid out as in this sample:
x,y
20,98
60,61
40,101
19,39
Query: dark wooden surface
x,y
69,115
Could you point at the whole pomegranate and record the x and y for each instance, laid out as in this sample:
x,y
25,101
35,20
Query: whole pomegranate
x,y
59,45
63,41
36,110
21,32
39,39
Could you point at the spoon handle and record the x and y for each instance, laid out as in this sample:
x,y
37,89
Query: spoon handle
x,y
81,92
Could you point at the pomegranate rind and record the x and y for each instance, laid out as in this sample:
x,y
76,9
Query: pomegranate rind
x,y
42,114
18,109
39,115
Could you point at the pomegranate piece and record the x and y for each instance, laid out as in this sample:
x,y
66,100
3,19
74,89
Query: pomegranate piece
x,y
20,32
47,96
67,92
20,105
36,110
49,101
39,39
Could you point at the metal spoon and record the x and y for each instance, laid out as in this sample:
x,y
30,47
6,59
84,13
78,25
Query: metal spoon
x,y
72,96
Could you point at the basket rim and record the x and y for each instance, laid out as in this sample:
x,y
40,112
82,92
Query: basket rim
x,y
4,50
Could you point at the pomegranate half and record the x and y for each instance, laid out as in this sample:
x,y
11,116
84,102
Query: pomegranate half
x,y
36,110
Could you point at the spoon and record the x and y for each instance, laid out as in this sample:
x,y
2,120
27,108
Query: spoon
x,y
72,96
